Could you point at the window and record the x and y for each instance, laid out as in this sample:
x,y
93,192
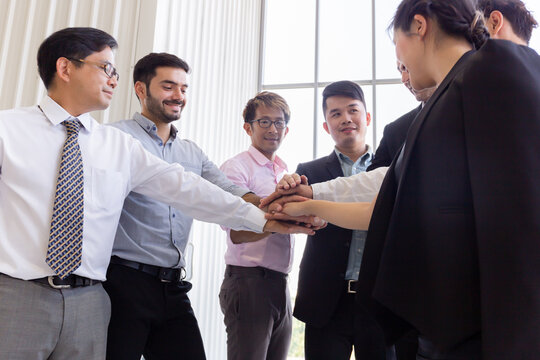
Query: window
x,y
311,43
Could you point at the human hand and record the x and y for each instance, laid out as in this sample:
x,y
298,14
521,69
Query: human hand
x,y
283,227
277,205
299,189
275,212
291,181
296,208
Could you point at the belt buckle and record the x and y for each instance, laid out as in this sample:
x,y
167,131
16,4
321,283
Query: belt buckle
x,y
161,276
181,276
50,279
349,289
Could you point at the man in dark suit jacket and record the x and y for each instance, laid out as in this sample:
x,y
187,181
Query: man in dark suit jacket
x,y
453,245
394,136
395,133
329,267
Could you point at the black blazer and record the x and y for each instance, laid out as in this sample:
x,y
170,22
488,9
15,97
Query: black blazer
x,y
394,136
322,270
453,247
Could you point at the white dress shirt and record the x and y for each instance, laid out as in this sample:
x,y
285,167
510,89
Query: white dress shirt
x,y
362,187
31,142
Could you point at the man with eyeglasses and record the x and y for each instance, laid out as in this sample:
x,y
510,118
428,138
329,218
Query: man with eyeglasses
x,y
63,181
254,296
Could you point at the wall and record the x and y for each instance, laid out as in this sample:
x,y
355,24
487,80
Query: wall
x,y
220,41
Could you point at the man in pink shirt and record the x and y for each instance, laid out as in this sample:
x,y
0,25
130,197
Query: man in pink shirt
x,y
254,296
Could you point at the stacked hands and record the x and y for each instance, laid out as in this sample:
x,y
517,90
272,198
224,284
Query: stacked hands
x,y
287,206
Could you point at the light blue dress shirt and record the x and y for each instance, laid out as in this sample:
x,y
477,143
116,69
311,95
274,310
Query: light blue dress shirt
x,y
152,232
358,240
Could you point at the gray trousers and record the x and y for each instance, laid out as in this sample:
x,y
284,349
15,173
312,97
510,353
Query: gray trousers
x,y
258,315
38,322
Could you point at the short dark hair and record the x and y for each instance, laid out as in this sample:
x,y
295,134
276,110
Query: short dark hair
x,y
145,68
268,99
342,88
454,17
515,12
71,43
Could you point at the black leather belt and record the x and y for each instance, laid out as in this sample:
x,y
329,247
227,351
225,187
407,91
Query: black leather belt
x,y
256,270
163,274
72,281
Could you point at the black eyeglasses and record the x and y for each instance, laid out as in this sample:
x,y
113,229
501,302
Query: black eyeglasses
x,y
109,70
265,123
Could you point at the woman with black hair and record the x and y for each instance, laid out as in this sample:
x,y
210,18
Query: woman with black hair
x,y
453,249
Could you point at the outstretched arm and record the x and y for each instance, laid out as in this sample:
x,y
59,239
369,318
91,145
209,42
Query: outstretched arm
x,y
355,215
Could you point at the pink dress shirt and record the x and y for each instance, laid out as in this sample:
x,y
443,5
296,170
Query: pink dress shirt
x,y
254,171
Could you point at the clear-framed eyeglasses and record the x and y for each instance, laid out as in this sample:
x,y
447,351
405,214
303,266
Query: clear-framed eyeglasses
x,y
266,123
107,67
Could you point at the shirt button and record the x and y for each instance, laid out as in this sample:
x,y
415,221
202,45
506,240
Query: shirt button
x,y
173,215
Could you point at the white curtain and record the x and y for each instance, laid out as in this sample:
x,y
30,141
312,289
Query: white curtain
x,y
220,41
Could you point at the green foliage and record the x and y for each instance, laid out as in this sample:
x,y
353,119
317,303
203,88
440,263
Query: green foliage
x,y
297,341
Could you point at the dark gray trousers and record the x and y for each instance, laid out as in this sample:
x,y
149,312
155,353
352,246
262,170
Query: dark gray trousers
x,y
258,315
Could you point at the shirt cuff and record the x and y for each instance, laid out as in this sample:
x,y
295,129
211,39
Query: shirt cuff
x,y
319,189
255,219
239,191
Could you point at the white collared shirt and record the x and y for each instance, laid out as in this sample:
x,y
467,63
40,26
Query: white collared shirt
x,y
31,142
361,187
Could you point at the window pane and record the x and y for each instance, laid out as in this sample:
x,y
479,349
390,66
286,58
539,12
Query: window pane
x,y
392,102
290,42
385,55
297,146
325,143
345,40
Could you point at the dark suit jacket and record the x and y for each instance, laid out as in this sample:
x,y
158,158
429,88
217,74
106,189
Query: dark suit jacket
x,y
322,270
394,136
453,247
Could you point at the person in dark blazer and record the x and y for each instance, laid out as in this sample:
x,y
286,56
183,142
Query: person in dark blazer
x,y
331,260
508,20
460,206
453,246
394,134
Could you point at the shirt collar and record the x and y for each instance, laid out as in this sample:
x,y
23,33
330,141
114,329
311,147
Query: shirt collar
x,y
56,114
149,126
263,160
368,155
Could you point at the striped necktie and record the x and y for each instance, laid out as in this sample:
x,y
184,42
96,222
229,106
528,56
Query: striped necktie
x,y
64,252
